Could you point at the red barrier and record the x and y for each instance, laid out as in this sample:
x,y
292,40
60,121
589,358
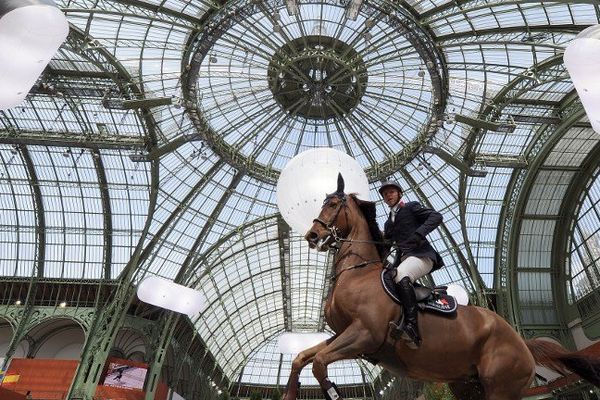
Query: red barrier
x,y
162,391
590,351
45,379
6,394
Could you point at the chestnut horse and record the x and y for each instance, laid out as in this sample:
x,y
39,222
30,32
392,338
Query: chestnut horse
x,y
477,352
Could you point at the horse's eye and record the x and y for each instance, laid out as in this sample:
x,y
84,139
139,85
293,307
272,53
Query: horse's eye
x,y
332,205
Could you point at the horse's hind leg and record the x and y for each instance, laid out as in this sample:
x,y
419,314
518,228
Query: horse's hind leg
x,y
301,361
505,373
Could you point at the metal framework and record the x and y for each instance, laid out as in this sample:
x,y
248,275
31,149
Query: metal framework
x,y
152,143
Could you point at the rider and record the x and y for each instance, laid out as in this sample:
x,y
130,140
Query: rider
x,y
407,226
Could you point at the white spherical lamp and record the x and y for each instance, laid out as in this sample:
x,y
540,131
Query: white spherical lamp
x,y
582,59
31,31
459,293
308,177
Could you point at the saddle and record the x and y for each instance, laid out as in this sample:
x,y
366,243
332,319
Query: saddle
x,y
428,299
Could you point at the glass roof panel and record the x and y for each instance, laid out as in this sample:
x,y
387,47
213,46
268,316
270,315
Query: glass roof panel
x,y
18,243
214,223
584,254
266,364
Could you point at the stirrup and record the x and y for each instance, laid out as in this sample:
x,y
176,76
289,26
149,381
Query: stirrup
x,y
411,337
396,329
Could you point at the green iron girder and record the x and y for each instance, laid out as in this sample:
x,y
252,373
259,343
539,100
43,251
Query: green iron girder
x,y
109,316
485,125
183,204
78,42
285,266
551,69
548,70
500,161
508,233
138,9
529,36
455,162
72,140
191,260
167,327
568,212
154,10
78,74
233,10
462,7
106,212
25,313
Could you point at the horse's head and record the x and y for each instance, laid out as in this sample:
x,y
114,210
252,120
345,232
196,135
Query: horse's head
x,y
332,222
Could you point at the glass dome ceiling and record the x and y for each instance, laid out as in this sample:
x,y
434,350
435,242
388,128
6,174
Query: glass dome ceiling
x,y
153,141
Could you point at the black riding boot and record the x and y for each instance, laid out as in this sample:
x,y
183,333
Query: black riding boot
x,y
410,330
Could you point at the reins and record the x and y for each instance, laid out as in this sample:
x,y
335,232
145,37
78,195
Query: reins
x,y
363,264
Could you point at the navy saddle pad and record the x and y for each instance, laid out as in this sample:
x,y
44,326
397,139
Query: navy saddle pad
x,y
435,299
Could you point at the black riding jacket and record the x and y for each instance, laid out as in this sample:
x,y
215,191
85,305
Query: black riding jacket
x,y
412,218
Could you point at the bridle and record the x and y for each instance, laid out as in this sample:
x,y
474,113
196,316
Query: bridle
x,y
333,230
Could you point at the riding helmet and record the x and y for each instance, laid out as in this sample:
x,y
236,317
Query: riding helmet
x,y
389,184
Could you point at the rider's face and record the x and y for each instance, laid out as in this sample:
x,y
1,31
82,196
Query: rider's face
x,y
391,196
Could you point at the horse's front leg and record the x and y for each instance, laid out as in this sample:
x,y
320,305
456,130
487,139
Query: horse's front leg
x,y
301,361
351,343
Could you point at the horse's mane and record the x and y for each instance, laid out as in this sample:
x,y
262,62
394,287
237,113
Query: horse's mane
x,y
367,208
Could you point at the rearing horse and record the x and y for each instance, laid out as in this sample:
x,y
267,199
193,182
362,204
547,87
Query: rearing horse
x,y
477,352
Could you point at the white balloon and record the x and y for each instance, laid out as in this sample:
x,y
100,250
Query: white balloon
x,y
459,293
167,294
308,177
30,35
581,58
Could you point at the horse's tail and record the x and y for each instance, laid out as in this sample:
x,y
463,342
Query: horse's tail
x,y
555,357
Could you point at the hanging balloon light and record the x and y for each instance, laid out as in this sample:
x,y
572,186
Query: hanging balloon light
x,y
31,31
169,295
582,59
308,177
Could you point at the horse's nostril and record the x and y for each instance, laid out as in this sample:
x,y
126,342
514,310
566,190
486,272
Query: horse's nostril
x,y
311,236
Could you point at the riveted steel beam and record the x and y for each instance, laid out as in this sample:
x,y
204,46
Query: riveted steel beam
x,y
38,272
285,267
72,140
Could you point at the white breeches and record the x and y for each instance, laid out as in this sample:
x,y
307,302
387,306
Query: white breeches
x,y
414,268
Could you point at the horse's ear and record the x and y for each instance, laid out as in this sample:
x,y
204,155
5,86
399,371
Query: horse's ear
x,y
340,188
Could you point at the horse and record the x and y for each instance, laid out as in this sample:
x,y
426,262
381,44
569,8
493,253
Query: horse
x,y
476,351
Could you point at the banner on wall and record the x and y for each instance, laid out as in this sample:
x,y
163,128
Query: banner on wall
x,y
125,376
